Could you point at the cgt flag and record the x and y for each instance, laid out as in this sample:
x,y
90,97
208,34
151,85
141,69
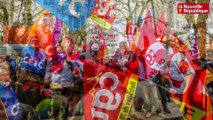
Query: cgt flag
x,y
184,73
71,12
108,95
102,13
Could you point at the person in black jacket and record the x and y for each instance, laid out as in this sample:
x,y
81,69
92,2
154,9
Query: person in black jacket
x,y
164,83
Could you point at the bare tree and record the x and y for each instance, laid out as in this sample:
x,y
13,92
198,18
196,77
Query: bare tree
x,y
4,14
130,9
27,14
199,25
11,12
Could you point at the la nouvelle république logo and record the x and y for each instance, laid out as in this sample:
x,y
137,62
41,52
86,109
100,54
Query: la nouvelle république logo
x,y
194,8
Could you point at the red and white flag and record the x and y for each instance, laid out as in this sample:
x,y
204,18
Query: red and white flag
x,y
108,94
186,77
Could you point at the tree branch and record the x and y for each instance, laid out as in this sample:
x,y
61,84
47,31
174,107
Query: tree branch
x,y
130,12
136,6
123,3
122,13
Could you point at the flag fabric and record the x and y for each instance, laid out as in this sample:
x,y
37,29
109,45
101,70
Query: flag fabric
x,y
131,30
16,34
71,12
149,21
194,103
21,34
146,34
33,61
57,31
9,102
13,65
5,31
161,26
184,73
108,94
147,44
102,13
56,58
101,53
43,28
140,41
193,43
146,38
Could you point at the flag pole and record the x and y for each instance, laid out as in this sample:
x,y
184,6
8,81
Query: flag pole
x,y
152,4
168,29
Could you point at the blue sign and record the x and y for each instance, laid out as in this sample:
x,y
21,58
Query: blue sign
x,y
72,12
11,103
28,51
33,61
12,62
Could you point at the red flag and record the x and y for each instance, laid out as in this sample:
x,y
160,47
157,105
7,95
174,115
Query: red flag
x,y
17,34
101,53
43,30
108,94
186,76
149,21
146,36
193,43
5,31
161,26
102,13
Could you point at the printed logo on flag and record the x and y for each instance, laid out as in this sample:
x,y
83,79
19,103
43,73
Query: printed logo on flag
x,y
107,97
193,8
33,61
102,13
183,71
72,12
10,102
193,43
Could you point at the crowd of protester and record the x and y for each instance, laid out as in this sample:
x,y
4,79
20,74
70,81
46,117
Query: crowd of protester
x,y
58,91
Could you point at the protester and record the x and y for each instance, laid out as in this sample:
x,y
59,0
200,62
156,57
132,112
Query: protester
x,y
163,84
123,56
8,98
33,61
140,71
94,47
68,45
5,79
149,90
94,44
61,52
64,72
9,104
